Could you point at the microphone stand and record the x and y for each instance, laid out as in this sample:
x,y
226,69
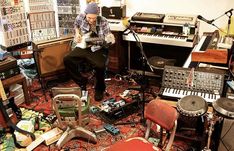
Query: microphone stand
x,y
143,77
229,21
229,14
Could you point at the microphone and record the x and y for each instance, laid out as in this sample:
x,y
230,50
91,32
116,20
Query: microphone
x,y
126,22
205,20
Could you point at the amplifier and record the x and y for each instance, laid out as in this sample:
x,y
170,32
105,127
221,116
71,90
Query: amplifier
x,y
8,63
49,56
9,73
114,12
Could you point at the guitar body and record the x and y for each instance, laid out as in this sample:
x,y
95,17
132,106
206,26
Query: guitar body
x,y
83,44
90,39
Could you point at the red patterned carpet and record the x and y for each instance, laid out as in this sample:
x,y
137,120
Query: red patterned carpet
x,y
114,88
42,103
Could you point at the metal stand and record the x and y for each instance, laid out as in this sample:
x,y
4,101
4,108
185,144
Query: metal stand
x,y
229,14
143,78
35,53
212,119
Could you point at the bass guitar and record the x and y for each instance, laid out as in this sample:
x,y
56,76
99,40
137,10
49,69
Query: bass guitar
x,y
14,112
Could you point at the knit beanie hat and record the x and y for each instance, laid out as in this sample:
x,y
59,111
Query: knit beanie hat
x,y
91,8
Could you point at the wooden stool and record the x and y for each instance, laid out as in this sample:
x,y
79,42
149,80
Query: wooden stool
x,y
18,79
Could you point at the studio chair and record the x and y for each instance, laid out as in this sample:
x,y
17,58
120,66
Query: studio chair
x,y
159,113
71,109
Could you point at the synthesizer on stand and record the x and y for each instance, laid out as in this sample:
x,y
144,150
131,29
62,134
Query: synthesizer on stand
x,y
152,28
179,82
165,40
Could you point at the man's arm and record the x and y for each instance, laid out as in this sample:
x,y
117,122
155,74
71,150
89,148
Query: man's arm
x,y
77,37
77,23
109,37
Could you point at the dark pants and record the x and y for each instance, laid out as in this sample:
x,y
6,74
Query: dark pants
x,y
74,63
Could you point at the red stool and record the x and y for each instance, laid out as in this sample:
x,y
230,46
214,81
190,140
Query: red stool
x,y
157,112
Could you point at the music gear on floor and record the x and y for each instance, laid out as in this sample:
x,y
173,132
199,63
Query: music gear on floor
x,y
117,113
178,82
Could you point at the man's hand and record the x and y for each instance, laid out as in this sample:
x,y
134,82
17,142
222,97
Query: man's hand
x,y
110,38
77,38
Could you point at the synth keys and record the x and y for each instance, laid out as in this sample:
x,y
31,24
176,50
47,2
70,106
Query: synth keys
x,y
175,84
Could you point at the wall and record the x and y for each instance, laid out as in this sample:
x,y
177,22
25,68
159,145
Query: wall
x,y
209,9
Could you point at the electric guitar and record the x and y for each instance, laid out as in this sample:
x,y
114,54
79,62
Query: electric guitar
x,y
88,40
16,114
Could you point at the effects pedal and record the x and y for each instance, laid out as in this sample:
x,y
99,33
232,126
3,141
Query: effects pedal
x,y
111,129
51,118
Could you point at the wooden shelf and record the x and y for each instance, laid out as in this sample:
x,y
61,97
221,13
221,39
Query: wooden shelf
x,y
18,79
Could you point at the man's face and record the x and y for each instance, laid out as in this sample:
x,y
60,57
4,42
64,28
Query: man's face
x,y
91,18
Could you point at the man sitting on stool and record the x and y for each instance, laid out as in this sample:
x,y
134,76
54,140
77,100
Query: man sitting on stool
x,y
95,53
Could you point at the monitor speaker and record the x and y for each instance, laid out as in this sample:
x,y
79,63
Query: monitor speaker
x,y
226,138
50,58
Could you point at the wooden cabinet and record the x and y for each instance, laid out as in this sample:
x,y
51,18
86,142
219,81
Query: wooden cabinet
x,y
18,79
117,54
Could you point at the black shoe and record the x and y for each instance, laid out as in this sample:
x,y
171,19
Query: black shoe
x,y
83,87
98,95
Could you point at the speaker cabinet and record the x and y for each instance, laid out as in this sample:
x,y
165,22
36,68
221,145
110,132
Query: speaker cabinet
x,y
49,57
226,142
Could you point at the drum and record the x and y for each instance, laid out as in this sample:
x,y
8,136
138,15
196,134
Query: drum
x,y
192,106
191,109
225,107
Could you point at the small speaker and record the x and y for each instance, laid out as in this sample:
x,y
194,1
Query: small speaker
x,y
226,142
50,58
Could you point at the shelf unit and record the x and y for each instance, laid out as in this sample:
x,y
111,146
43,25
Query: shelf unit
x,y
67,12
13,23
42,20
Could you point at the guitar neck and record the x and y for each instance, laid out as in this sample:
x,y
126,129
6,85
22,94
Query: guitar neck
x,y
2,91
94,39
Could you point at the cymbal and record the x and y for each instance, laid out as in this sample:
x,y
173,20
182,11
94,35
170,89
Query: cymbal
x,y
224,106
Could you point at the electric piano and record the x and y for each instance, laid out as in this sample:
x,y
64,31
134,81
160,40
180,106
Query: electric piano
x,y
211,49
207,41
155,29
178,82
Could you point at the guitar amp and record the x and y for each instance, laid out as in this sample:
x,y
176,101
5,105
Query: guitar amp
x,y
117,12
49,55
